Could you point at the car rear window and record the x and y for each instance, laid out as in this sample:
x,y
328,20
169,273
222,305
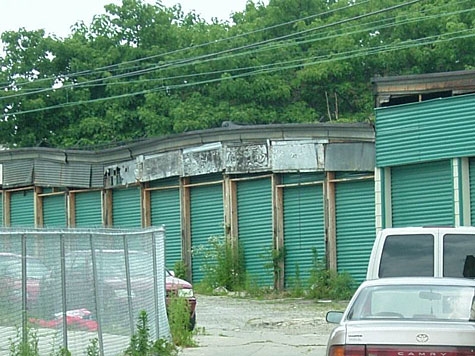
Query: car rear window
x,y
407,256
416,302
459,255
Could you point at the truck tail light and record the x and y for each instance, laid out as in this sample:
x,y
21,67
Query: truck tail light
x,y
347,350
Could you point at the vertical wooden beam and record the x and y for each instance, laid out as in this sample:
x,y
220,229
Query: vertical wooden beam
x,y
230,215
278,222
107,208
38,207
330,221
186,250
234,210
145,205
7,207
71,208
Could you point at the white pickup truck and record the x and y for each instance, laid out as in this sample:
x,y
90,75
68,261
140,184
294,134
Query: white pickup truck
x,y
423,251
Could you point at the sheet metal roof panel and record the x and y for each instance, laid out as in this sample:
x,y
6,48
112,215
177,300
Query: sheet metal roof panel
x,y
349,157
419,83
57,174
18,173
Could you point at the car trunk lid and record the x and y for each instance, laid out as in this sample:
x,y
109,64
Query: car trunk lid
x,y
411,333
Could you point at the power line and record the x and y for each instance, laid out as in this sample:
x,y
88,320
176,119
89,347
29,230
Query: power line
x,y
253,71
206,56
302,40
214,42
288,65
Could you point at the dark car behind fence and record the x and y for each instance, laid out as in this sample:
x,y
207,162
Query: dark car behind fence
x,y
73,288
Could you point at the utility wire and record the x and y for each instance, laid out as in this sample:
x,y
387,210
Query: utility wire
x,y
301,40
262,69
268,48
206,56
214,42
289,65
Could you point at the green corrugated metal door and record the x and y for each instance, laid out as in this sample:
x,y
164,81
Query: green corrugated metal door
x,y
207,220
22,212
54,211
165,210
355,226
304,226
472,189
88,208
254,206
422,194
126,207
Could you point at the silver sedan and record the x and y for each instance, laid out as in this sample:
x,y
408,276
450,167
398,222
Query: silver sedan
x,y
410,316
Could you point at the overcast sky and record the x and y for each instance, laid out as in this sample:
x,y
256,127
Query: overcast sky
x,y
57,16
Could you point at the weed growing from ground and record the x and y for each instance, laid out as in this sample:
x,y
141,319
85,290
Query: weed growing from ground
x,y
142,345
93,348
224,272
297,288
179,321
327,284
179,269
225,265
28,347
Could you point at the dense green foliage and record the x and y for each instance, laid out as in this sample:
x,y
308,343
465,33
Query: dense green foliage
x,y
144,70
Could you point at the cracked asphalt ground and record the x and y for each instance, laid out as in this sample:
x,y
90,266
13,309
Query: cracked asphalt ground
x,y
233,326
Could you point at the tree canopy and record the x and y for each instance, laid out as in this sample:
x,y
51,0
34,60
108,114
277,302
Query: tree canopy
x,y
144,70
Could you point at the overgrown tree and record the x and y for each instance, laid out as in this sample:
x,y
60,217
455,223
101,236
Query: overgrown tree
x,y
142,70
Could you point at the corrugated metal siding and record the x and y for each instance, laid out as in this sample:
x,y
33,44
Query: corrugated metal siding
x,y
22,213
472,190
17,173
254,205
126,211
165,210
422,194
292,178
355,226
47,173
88,209
429,130
97,176
206,178
207,220
167,182
76,175
60,174
54,211
304,228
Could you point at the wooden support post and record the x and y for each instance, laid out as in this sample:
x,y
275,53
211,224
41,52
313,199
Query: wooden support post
x,y
330,222
186,248
278,213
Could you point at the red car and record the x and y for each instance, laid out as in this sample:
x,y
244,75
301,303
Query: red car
x,y
11,277
183,289
112,283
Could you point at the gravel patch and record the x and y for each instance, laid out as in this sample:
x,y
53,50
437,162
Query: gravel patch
x,y
233,326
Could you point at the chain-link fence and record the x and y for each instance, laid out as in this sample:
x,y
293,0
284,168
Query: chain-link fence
x,y
76,288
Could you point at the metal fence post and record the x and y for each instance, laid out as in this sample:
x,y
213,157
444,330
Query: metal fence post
x,y
129,287
96,294
63,291
24,316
